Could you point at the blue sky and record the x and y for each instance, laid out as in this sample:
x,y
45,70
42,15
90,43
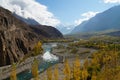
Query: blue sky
x,y
58,12
67,11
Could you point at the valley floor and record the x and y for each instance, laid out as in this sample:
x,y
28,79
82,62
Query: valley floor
x,y
70,57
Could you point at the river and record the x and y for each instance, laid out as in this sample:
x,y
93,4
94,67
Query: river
x,y
48,60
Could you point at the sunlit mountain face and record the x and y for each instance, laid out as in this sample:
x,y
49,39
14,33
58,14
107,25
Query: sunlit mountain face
x,y
107,20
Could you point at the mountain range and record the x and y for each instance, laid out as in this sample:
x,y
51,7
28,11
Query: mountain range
x,y
107,20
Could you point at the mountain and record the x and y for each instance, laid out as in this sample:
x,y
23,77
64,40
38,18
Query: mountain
x,y
65,29
18,38
116,33
78,28
46,31
109,19
29,21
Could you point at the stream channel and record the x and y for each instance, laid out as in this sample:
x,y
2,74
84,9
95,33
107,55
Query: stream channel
x,y
45,64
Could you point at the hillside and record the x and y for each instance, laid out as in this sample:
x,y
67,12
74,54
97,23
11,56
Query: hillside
x,y
17,38
109,19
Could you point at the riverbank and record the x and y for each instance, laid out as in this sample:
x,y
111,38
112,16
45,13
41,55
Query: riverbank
x,y
63,53
23,66
70,57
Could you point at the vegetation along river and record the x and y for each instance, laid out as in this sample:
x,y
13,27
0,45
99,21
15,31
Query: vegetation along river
x,y
43,65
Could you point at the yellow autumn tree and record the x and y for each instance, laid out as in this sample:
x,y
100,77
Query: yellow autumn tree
x,y
38,48
49,73
94,76
35,72
67,71
76,69
117,77
86,63
56,73
13,72
84,74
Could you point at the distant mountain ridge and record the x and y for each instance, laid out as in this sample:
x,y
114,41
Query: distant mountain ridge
x,y
28,21
65,29
109,19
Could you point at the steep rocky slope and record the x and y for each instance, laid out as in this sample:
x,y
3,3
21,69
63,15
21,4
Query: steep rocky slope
x,y
46,31
18,38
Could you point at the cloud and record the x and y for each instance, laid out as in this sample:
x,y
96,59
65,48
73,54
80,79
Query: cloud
x,y
31,9
86,16
111,1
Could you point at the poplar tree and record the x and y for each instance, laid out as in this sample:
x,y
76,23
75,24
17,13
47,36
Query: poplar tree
x,y
84,74
56,73
94,76
67,71
35,72
38,48
76,69
49,73
13,72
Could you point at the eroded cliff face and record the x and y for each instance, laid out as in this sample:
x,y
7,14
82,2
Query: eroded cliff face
x,y
16,38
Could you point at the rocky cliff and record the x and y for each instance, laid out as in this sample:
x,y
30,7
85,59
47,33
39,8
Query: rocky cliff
x,y
18,38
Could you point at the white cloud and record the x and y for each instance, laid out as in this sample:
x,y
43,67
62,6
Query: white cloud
x,y
111,1
86,16
31,9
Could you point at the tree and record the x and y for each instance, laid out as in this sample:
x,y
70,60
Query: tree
x,y
38,48
67,71
86,63
56,73
49,74
13,72
76,69
84,74
35,72
94,76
